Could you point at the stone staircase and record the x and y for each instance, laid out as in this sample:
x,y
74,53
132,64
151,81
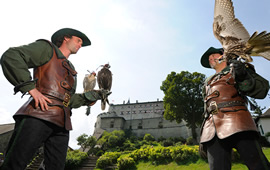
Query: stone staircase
x,y
35,165
89,163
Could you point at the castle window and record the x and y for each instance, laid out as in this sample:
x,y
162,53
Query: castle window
x,y
140,125
112,124
160,125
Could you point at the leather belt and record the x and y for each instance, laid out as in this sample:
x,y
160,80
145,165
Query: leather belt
x,y
213,106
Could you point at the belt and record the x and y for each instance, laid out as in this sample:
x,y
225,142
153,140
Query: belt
x,y
213,107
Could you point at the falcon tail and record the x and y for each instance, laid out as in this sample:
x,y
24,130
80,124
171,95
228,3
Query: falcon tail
x,y
259,44
103,105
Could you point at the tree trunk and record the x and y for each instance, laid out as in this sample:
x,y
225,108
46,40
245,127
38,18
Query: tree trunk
x,y
194,134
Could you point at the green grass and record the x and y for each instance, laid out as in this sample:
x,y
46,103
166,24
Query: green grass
x,y
200,164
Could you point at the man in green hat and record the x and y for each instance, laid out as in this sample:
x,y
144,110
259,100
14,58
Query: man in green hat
x,y
228,123
44,120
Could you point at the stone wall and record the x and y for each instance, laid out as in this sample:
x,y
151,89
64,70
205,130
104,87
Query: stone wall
x,y
4,139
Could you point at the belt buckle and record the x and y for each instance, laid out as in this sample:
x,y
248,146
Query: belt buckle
x,y
66,100
214,108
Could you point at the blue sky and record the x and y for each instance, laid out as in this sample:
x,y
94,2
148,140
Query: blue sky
x,y
142,40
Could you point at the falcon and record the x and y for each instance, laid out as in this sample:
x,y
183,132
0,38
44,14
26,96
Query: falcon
x,y
89,83
233,36
104,79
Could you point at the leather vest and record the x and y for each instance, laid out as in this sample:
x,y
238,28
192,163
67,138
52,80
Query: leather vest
x,y
228,113
54,80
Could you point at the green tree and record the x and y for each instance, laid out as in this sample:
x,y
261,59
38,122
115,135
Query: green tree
x,y
183,98
110,140
86,141
255,107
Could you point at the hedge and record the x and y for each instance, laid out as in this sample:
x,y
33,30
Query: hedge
x,y
180,154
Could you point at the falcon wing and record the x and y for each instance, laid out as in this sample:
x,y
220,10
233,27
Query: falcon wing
x,y
228,29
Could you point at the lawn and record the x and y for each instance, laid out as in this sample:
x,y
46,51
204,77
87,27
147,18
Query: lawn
x,y
200,164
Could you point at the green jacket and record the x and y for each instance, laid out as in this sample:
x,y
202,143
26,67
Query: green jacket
x,y
17,61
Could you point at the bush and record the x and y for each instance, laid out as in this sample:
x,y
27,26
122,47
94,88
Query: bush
x,y
107,159
179,139
159,155
161,139
183,154
147,137
100,152
129,146
167,142
178,144
140,154
125,163
74,159
190,141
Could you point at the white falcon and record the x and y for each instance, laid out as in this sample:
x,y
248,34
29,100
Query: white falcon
x,y
89,81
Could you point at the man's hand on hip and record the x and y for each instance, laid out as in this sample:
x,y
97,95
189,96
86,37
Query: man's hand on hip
x,y
40,99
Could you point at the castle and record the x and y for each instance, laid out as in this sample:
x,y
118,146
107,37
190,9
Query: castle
x,y
140,118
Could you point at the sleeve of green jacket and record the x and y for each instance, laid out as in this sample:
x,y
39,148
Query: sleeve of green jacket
x,y
17,61
254,85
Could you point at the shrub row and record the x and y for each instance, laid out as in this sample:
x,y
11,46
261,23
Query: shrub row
x,y
180,154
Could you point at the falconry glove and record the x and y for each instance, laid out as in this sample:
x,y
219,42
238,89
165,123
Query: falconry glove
x,y
239,70
95,95
92,96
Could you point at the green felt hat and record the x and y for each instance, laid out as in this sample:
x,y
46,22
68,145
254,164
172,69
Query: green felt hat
x,y
71,32
205,56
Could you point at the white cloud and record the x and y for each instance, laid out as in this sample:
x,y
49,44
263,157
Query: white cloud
x,y
5,116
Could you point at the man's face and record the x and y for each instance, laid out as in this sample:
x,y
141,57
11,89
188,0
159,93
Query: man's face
x,y
213,60
74,44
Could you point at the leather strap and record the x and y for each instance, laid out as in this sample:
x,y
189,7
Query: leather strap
x,y
213,107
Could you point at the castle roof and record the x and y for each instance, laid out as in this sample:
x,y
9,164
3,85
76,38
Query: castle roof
x,y
266,114
6,128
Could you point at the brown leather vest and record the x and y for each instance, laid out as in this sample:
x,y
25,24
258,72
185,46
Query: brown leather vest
x,y
231,114
54,80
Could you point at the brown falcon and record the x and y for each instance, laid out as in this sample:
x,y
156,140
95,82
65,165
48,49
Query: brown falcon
x,y
89,83
233,36
104,79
